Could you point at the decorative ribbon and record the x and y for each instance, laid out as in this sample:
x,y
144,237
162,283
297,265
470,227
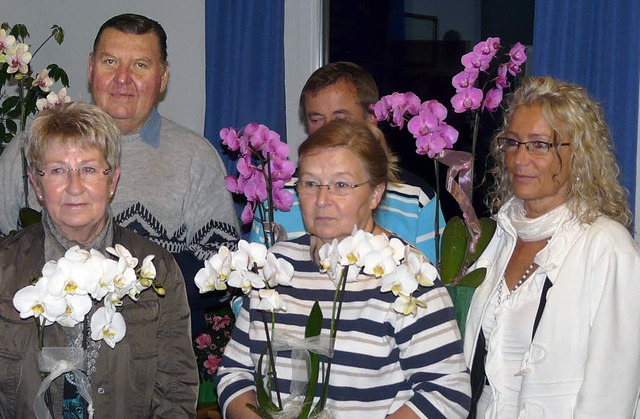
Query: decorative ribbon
x,y
459,163
300,361
58,361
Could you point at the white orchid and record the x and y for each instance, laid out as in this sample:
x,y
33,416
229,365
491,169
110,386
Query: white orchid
x,y
270,300
379,262
108,325
353,248
249,255
246,280
18,57
423,271
43,80
209,278
53,99
77,307
399,282
35,300
277,271
121,252
65,292
407,304
6,42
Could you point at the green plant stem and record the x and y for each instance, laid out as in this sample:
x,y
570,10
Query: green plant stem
x,y
266,172
272,362
41,45
335,320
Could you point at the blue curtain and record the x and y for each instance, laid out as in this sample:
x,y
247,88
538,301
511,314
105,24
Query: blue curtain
x,y
596,44
244,67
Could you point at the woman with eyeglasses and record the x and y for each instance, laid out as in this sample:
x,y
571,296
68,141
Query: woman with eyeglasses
x,y
553,331
385,364
73,152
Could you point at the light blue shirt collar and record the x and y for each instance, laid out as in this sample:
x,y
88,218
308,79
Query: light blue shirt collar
x,y
150,131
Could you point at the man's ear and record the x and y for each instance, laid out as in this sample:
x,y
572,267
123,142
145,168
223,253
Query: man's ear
x,y
164,78
90,68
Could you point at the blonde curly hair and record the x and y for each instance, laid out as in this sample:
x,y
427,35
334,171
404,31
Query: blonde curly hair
x,y
572,116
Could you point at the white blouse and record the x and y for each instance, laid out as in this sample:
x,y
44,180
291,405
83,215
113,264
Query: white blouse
x,y
508,329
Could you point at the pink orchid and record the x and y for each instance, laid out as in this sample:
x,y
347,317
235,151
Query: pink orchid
x,y
247,213
423,124
282,169
282,198
467,99
229,138
430,144
489,47
492,99
517,54
381,111
473,62
277,149
464,79
400,104
501,78
436,108
231,183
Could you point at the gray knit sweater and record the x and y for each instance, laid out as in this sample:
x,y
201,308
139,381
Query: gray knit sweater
x,y
171,190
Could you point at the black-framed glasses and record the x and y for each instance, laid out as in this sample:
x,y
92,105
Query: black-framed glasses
x,y
535,148
87,174
310,187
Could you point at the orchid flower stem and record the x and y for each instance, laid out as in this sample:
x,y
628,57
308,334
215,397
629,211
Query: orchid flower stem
x,y
267,174
474,142
272,362
335,320
436,166
47,395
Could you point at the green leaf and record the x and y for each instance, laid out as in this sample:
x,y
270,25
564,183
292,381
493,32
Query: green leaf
x,y
454,247
5,26
20,31
11,125
58,34
313,328
58,74
263,396
10,103
474,278
487,228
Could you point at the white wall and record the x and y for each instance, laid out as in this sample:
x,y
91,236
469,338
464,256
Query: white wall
x,y
183,21
302,56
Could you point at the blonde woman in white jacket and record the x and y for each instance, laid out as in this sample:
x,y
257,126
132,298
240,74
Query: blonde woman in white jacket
x,y
554,330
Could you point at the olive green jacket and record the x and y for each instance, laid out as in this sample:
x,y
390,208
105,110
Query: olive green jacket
x,y
152,372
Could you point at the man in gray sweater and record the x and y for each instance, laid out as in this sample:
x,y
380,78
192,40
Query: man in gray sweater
x,y
172,187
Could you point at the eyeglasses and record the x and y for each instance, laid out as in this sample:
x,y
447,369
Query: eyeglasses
x,y
310,187
88,174
535,148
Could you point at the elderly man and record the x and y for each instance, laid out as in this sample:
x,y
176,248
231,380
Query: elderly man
x,y
344,90
172,187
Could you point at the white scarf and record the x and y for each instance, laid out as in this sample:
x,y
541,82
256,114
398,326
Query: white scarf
x,y
534,229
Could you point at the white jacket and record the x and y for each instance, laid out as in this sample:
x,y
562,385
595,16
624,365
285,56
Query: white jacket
x,y
584,361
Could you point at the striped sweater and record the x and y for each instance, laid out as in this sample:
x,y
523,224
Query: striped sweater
x,y
382,359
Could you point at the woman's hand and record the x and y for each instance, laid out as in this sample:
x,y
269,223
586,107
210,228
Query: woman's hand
x,y
238,407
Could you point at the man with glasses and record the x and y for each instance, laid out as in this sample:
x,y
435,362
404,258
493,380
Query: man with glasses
x,y
172,187
344,90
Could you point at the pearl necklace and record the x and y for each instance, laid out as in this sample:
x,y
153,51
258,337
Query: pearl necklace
x,y
526,274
